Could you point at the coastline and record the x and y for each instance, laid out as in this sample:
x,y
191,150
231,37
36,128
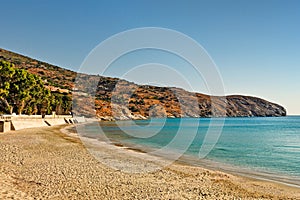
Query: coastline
x,y
244,172
189,160
47,163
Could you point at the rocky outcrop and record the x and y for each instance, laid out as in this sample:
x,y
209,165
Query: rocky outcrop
x,y
246,106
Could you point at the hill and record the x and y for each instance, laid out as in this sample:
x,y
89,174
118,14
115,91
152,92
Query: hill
x,y
132,101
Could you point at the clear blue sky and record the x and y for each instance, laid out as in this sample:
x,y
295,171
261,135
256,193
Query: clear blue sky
x,y
255,44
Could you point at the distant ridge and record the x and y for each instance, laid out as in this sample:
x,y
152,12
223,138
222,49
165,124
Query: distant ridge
x,y
144,100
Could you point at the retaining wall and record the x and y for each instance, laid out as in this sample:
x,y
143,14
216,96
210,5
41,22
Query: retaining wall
x,y
10,122
17,124
4,126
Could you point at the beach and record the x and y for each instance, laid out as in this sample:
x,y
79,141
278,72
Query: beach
x,y
46,163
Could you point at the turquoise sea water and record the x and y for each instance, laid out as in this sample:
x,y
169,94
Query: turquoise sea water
x,y
264,145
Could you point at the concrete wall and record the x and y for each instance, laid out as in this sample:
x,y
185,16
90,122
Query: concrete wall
x,y
57,121
80,119
4,126
17,124
24,121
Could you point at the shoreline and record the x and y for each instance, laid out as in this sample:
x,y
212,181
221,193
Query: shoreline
x,y
204,163
190,160
45,163
247,173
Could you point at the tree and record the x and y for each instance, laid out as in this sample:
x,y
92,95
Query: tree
x,y
21,91
6,73
61,103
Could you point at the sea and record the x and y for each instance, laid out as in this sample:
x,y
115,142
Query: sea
x,y
259,147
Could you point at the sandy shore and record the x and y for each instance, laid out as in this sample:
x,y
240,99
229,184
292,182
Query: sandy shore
x,y
44,163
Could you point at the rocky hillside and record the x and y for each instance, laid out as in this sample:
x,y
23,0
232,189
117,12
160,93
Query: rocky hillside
x,y
120,99
131,101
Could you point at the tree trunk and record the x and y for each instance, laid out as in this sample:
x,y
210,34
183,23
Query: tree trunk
x,y
35,110
9,108
21,108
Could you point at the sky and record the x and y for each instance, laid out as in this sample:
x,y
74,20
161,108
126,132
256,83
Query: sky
x,y
254,44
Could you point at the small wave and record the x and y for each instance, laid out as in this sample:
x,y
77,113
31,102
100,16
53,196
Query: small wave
x,y
222,149
287,146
